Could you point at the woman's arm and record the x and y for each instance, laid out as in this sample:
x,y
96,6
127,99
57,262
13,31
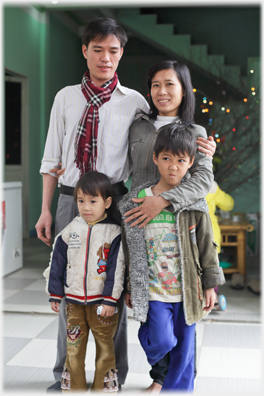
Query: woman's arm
x,y
187,193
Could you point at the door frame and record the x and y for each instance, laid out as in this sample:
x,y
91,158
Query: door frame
x,y
21,172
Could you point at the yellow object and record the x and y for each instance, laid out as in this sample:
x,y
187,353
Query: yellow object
x,y
217,197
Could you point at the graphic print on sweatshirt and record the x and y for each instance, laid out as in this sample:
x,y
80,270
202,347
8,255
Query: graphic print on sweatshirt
x,y
163,257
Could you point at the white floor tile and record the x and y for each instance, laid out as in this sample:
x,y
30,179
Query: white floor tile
x,y
8,293
132,331
40,284
90,357
230,363
24,326
136,383
30,273
28,308
199,333
38,353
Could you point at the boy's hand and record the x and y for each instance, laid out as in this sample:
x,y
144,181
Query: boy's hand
x,y
150,208
210,299
128,300
107,310
55,306
207,146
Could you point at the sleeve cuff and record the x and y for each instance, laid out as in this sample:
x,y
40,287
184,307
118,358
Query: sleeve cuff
x,y
55,298
110,303
213,277
47,165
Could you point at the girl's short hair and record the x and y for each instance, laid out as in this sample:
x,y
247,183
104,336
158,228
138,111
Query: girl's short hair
x,y
95,184
177,139
187,106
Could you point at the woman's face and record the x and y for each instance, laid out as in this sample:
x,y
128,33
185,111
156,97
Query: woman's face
x,y
166,92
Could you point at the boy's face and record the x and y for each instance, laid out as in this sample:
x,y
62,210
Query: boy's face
x,y
92,208
172,167
102,58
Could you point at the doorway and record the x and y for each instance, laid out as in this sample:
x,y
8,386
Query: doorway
x,y
16,138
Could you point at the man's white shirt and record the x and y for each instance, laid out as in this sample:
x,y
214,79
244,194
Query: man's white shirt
x,y
115,117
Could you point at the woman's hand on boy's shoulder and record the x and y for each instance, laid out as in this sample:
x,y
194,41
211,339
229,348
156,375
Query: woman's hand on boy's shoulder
x,y
207,146
150,208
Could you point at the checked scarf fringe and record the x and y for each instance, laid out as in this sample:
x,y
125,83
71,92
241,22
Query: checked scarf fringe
x,y
85,145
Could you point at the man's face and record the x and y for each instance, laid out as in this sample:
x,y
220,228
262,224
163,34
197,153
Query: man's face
x,y
102,58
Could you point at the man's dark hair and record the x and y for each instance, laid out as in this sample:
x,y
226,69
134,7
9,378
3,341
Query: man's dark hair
x,y
95,184
187,106
177,139
100,28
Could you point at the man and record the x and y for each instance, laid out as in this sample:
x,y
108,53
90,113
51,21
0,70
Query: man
x,y
103,43
88,130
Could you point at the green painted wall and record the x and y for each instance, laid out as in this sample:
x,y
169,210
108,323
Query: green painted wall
x,y
41,48
233,31
239,41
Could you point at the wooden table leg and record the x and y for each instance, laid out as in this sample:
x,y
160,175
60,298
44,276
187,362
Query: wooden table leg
x,y
241,252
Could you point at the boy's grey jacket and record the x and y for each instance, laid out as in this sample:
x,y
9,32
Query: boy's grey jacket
x,y
199,259
142,138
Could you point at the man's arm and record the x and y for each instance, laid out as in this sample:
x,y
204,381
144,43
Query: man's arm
x,y
43,225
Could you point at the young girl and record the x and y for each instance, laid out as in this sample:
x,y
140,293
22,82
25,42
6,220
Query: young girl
x,y
87,267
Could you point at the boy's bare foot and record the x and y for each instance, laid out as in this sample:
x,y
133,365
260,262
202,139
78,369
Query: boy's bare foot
x,y
153,388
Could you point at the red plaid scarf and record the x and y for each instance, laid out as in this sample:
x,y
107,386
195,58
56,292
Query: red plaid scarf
x,y
85,145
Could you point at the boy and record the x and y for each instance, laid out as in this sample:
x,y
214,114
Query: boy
x,y
87,267
173,264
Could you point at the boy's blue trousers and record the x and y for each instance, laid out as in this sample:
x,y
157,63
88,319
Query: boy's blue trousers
x,y
166,331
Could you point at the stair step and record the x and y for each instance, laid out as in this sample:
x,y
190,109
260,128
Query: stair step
x,y
150,19
215,63
159,31
146,27
179,44
198,54
232,74
128,12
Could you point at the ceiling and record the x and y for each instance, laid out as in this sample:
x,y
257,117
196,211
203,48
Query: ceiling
x,y
76,16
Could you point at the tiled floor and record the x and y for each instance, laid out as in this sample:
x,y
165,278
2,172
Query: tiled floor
x,y
228,343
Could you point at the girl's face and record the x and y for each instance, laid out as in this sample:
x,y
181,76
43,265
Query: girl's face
x,y
92,208
166,92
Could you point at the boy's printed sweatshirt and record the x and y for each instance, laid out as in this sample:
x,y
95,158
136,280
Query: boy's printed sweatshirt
x,y
87,263
199,259
163,254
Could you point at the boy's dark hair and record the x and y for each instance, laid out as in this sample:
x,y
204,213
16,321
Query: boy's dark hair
x,y
100,28
177,139
187,106
95,184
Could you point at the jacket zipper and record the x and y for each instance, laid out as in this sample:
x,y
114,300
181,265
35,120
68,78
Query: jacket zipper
x,y
86,263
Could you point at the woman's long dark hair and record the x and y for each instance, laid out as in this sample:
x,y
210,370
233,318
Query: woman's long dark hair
x,y
187,106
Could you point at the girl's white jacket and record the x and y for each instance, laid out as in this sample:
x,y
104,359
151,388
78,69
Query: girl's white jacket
x,y
87,263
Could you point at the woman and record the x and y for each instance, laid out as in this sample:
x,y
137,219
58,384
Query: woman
x,y
171,100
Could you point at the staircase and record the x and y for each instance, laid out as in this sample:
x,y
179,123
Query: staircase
x,y
162,37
